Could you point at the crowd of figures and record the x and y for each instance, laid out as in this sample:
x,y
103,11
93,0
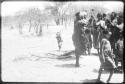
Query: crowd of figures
x,y
103,32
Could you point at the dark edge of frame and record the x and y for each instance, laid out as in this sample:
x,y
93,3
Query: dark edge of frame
x,y
61,0
2,82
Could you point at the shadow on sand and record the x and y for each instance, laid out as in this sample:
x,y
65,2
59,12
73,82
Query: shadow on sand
x,y
59,55
95,54
63,55
103,72
92,81
95,70
66,66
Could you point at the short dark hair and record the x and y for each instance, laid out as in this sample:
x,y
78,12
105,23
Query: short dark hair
x,y
99,15
77,14
113,15
104,15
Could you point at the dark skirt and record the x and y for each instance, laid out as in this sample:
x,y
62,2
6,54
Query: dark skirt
x,y
79,44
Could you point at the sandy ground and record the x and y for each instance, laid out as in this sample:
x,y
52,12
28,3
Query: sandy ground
x,y
36,59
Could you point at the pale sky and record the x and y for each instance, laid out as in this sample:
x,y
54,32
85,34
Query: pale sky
x,y
11,7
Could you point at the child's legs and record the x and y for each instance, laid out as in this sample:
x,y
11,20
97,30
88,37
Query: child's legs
x,y
113,66
59,45
100,72
110,75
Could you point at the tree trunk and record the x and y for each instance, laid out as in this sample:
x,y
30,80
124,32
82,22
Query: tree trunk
x,y
66,23
30,25
47,26
40,32
37,28
20,28
57,21
62,20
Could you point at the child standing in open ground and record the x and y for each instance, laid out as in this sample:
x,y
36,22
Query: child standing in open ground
x,y
59,40
106,56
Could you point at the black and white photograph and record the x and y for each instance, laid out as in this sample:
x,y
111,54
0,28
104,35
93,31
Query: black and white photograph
x,y
62,41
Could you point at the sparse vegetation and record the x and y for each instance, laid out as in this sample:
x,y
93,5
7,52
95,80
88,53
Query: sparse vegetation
x,y
62,13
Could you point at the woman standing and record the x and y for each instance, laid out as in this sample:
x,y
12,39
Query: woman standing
x,y
77,37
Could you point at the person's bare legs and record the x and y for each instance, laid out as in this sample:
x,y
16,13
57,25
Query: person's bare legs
x,y
110,75
77,58
59,45
89,51
100,73
112,70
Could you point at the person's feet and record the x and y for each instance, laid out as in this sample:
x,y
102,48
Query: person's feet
x,y
77,65
98,80
108,81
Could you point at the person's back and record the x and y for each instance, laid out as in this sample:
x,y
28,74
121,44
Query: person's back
x,y
107,45
77,28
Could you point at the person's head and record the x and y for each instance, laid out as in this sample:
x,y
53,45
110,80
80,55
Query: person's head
x,y
120,19
99,16
77,16
83,15
104,15
92,10
121,15
113,15
107,34
108,23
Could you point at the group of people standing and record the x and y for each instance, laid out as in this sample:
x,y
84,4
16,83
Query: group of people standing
x,y
104,33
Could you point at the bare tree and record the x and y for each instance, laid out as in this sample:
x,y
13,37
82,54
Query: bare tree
x,y
20,20
57,12
34,17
